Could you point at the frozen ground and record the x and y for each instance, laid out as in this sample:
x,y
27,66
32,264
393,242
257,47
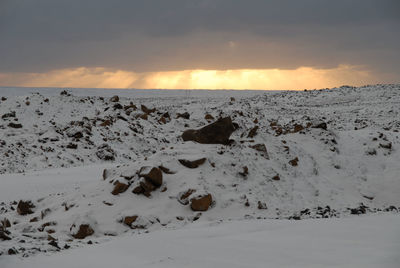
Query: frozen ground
x,y
363,241
294,155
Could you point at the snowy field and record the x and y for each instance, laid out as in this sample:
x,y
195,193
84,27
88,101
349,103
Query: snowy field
x,y
307,179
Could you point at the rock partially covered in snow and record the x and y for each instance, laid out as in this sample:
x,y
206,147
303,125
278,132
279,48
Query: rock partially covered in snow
x,y
215,133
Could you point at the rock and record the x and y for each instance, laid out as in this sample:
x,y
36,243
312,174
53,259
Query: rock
x,y
245,171
105,123
114,98
118,106
184,115
54,243
105,174
209,117
4,236
138,190
5,223
128,220
215,133
166,170
386,145
294,162
253,132
192,164
262,149
12,251
261,205
15,125
183,198
7,115
105,152
84,231
72,145
147,110
144,116
276,177
201,203
321,125
153,175
297,128
147,187
25,207
120,188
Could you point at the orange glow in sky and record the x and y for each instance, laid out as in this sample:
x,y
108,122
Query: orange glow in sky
x,y
268,79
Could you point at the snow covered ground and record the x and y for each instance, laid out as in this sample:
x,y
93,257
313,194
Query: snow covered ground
x,y
329,158
362,241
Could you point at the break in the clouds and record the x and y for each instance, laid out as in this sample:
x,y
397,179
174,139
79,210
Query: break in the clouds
x,y
159,35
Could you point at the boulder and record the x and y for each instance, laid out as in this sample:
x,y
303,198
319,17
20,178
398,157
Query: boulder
x,y
114,98
15,125
201,203
84,231
192,164
120,188
152,175
215,133
25,207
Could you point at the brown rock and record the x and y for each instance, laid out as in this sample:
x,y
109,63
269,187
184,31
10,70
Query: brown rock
x,y
183,198
201,203
4,236
130,219
154,176
184,115
144,116
119,188
105,123
262,149
209,117
138,190
253,132
276,177
294,162
114,98
166,170
297,128
245,171
84,231
25,207
215,133
192,164
147,186
5,223
147,110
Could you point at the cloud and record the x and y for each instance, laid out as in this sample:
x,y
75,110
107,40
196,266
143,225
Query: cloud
x,y
158,35
297,79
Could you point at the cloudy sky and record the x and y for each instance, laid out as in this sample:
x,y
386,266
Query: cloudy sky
x,y
252,44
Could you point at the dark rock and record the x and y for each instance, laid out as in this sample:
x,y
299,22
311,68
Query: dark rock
x,y
72,145
118,106
245,171
84,231
7,115
294,162
184,115
297,128
276,177
166,170
321,125
120,188
114,98
153,175
262,149
105,152
386,145
261,205
192,164
25,207
138,190
54,244
12,251
209,117
215,133
128,220
253,132
183,197
4,236
201,203
15,125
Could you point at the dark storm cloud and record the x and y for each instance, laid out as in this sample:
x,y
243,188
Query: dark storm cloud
x,y
213,34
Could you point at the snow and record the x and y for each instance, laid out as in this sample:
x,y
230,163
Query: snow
x,y
57,160
367,241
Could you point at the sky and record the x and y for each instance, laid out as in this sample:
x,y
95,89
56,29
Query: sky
x,y
213,44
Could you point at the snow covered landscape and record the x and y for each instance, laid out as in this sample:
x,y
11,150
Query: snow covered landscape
x,y
200,178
